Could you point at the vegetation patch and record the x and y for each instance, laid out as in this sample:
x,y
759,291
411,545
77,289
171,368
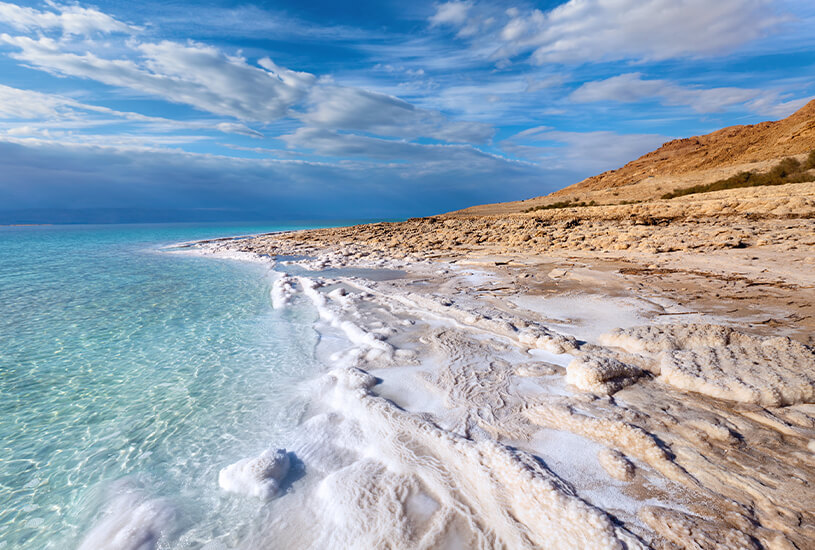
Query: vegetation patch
x,y
560,204
789,170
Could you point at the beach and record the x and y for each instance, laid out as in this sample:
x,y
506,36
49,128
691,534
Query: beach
x,y
432,275
623,376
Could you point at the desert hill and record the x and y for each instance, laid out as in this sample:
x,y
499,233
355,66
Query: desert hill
x,y
684,162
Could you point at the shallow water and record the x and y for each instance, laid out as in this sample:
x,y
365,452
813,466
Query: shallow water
x,y
128,370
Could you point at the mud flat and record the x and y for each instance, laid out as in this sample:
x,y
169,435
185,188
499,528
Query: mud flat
x,y
569,380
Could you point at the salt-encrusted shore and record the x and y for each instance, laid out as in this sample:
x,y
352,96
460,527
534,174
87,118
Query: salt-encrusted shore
x,y
599,378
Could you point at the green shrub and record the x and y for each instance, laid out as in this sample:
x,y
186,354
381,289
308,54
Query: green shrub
x,y
786,167
789,170
560,204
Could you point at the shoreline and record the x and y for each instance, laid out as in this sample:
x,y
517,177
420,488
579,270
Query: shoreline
x,y
521,351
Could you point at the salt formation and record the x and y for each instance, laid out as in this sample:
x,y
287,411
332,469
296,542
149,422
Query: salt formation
x,y
331,306
616,464
658,338
258,477
722,362
532,335
689,531
416,485
282,291
536,369
601,375
615,433
132,522
733,475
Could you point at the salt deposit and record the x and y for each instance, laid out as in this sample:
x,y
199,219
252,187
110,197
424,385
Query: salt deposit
x,y
282,291
330,308
602,375
258,477
722,362
482,494
467,467
587,316
132,521
616,464
695,532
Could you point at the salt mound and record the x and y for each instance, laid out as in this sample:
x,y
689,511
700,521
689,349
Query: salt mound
x,y
132,522
772,372
353,378
601,375
687,531
725,363
369,342
616,464
657,338
282,292
258,477
416,485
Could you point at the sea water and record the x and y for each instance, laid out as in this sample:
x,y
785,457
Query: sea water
x,y
129,376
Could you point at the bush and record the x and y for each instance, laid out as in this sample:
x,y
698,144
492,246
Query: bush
x,y
561,204
786,167
789,170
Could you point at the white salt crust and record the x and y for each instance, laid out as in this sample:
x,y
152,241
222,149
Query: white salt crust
x,y
258,477
132,521
721,362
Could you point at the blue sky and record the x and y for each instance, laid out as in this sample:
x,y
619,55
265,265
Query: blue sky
x,y
371,109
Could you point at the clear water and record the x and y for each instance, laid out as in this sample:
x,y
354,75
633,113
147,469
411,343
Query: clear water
x,y
125,368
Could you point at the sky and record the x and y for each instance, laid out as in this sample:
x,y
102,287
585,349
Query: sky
x,y
180,110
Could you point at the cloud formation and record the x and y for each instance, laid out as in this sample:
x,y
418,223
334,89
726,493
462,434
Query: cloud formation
x,y
594,152
388,110
580,31
354,109
70,19
213,81
335,144
48,114
632,88
194,74
92,176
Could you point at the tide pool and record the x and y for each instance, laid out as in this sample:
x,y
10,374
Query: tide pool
x,y
130,375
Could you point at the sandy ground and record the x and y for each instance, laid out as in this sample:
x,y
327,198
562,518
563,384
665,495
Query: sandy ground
x,y
611,377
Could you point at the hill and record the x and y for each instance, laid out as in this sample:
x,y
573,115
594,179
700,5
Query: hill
x,y
684,162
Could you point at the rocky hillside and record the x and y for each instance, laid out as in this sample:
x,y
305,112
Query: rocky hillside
x,y
735,145
682,163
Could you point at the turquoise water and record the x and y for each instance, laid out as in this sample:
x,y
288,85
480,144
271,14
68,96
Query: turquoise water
x,y
126,369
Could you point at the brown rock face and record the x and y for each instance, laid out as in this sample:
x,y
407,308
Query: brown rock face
x,y
726,147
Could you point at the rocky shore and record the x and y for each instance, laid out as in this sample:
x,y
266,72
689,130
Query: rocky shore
x,y
672,341
742,251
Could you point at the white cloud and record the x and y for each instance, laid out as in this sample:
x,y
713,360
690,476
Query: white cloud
x,y
235,128
192,73
593,30
632,88
53,113
211,80
551,81
70,19
586,153
330,143
774,106
129,174
360,110
25,104
451,13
